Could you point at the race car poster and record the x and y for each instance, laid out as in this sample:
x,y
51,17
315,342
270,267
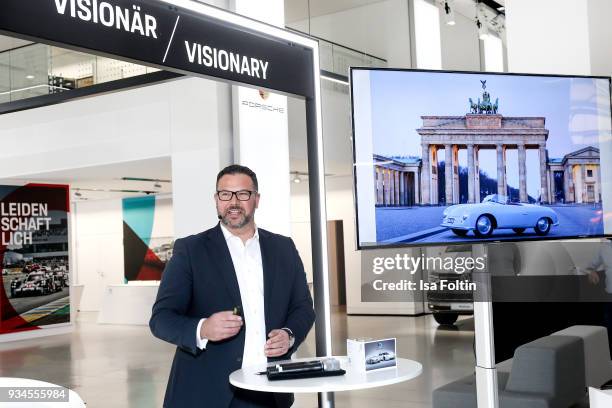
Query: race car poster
x,y
35,257
453,158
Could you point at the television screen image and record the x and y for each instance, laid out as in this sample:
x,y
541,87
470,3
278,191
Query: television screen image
x,y
457,157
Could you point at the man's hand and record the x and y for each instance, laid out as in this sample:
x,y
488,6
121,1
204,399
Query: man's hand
x,y
593,277
221,326
277,344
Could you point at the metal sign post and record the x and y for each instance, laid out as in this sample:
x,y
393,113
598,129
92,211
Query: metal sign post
x,y
486,373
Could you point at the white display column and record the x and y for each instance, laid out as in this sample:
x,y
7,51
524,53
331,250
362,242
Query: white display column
x,y
539,39
198,151
569,37
600,32
261,136
427,44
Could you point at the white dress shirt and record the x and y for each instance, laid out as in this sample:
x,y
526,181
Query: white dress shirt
x,y
246,258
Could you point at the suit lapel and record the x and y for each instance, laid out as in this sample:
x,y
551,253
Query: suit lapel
x,y
223,259
269,273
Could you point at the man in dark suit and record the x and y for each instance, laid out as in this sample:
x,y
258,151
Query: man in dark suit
x,y
233,266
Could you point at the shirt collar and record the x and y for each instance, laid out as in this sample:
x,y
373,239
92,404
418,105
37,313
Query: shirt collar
x,y
227,234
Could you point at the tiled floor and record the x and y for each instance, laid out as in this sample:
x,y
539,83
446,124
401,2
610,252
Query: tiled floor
x,y
125,366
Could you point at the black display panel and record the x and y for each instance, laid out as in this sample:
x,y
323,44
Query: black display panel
x,y
162,35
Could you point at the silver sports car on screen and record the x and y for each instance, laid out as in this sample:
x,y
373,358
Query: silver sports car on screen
x,y
498,212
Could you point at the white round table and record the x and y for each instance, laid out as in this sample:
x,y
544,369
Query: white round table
x,y
405,370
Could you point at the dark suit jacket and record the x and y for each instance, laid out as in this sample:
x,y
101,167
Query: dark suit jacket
x,y
200,280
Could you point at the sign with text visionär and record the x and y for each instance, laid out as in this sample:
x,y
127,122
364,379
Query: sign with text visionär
x,y
159,34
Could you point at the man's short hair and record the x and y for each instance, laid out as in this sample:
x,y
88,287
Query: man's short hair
x,y
238,169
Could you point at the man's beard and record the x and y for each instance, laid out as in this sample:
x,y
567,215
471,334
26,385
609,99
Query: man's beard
x,y
246,218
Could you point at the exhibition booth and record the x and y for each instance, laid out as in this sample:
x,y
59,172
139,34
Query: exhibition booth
x,y
479,173
246,52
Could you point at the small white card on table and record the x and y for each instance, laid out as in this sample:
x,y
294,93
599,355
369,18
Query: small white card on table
x,y
369,355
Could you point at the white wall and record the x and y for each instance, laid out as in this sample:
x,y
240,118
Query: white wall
x,y
428,46
548,36
200,119
99,249
380,29
163,221
460,50
569,37
99,245
124,126
187,119
600,34
119,127
493,53
300,225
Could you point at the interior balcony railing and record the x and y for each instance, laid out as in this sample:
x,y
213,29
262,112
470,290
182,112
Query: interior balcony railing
x,y
337,59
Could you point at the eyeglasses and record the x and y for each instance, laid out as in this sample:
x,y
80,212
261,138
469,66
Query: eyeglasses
x,y
242,195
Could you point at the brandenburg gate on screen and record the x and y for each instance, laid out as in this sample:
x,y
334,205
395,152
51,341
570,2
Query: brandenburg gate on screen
x,y
410,180
474,132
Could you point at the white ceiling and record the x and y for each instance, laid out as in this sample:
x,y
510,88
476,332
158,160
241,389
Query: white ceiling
x,y
108,177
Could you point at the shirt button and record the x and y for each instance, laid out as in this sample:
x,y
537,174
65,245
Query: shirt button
x,y
239,359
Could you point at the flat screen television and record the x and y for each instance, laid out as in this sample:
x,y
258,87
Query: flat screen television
x,y
466,157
